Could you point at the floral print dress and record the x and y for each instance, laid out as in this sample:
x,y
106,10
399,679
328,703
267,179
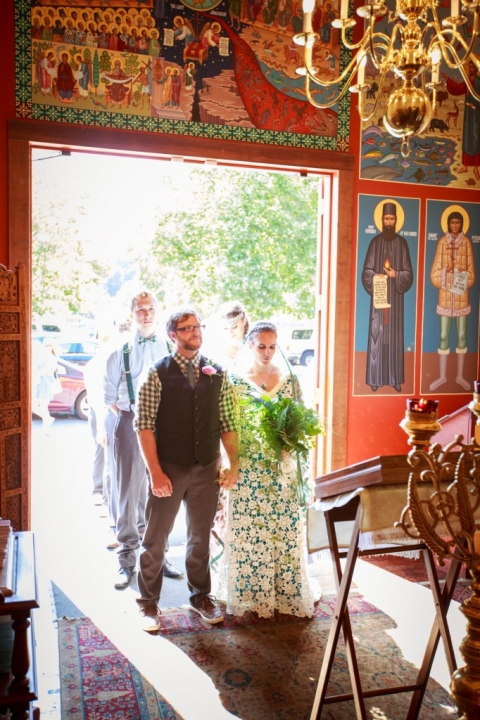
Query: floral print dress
x,y
264,565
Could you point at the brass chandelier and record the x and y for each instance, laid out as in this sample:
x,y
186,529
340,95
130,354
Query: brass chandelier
x,y
413,48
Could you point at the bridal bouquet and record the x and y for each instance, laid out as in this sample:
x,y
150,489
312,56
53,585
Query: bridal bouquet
x,y
286,426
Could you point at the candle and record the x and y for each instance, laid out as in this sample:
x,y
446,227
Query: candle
x,y
421,405
476,386
361,71
435,73
344,9
308,7
455,8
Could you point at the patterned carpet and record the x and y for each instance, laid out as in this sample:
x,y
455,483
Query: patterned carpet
x,y
262,669
98,682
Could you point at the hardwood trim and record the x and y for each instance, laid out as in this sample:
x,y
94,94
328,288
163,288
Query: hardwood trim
x,y
157,144
23,135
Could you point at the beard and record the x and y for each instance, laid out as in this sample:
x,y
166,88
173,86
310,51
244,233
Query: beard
x,y
389,232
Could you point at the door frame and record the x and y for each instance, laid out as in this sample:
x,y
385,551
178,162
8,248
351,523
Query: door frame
x,y
333,283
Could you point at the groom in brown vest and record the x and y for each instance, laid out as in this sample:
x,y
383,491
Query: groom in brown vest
x,y
184,409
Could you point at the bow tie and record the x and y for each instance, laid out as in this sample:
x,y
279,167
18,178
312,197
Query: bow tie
x,y
152,338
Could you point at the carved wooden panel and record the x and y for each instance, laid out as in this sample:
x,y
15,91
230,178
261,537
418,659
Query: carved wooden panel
x,y
14,399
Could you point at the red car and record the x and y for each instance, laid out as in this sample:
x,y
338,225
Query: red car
x,y
73,398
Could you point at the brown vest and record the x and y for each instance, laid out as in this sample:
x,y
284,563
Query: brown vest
x,y
188,421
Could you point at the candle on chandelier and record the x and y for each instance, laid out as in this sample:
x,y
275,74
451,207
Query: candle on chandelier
x,y
361,71
476,386
308,8
455,8
421,405
344,9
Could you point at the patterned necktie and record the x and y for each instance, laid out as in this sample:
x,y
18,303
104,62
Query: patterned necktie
x,y
191,374
152,338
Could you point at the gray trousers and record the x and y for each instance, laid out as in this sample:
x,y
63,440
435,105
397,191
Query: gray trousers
x,y
132,489
98,455
196,486
110,477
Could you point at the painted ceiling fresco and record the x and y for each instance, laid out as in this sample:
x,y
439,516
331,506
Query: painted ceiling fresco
x,y
209,68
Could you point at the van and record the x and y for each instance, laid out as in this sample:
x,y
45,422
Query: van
x,y
300,346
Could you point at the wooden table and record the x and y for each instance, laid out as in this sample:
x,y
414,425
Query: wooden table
x,y
374,473
18,687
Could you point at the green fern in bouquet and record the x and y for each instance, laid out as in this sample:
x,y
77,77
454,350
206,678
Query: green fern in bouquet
x,y
285,425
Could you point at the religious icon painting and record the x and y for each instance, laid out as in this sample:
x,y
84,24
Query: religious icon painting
x,y
230,64
385,295
451,298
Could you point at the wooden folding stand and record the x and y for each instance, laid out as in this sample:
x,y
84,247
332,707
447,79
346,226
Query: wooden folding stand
x,y
375,472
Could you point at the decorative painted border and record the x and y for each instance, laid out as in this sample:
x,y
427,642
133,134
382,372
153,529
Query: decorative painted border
x,y
26,109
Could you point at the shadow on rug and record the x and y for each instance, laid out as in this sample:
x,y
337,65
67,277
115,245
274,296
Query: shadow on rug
x,y
98,682
262,669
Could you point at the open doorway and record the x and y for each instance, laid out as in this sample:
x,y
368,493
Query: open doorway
x,y
73,549
104,226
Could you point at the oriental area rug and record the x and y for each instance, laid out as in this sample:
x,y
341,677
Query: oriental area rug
x,y
262,669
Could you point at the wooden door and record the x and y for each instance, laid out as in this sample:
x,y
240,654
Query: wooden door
x,y
15,404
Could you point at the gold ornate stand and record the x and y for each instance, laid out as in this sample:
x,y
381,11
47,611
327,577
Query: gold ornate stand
x,y
446,517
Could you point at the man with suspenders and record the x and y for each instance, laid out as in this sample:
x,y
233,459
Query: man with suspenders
x,y
122,372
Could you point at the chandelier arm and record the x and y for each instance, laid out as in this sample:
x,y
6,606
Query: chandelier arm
x,y
323,105
445,38
366,118
353,46
459,64
386,45
337,81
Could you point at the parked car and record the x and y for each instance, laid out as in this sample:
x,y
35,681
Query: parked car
x,y
299,346
78,353
73,398
45,327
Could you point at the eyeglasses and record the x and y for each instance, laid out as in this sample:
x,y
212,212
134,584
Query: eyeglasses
x,y
190,328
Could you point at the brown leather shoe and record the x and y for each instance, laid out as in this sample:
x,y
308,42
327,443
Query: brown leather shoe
x,y
208,610
150,618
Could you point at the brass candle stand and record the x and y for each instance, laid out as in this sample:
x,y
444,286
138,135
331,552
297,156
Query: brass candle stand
x,y
443,511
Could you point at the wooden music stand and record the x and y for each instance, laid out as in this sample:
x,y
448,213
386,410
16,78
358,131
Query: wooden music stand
x,y
374,473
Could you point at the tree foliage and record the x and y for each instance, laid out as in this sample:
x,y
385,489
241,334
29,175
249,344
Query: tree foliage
x,y
240,235
66,273
221,234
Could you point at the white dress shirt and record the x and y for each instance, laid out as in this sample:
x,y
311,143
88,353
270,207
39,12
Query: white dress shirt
x,y
141,356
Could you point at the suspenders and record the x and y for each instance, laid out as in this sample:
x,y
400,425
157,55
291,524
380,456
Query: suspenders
x,y
126,362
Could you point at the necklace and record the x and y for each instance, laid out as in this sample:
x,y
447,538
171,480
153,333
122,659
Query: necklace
x,y
263,384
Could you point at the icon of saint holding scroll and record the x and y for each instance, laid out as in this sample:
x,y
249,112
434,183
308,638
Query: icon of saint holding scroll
x,y
387,275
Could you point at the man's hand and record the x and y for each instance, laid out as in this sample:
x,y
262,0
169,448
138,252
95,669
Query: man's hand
x,y
390,272
102,438
228,478
160,484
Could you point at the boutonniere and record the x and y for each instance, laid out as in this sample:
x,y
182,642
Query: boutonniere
x,y
210,370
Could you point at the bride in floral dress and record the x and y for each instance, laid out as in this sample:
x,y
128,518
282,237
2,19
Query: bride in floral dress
x,y
264,567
